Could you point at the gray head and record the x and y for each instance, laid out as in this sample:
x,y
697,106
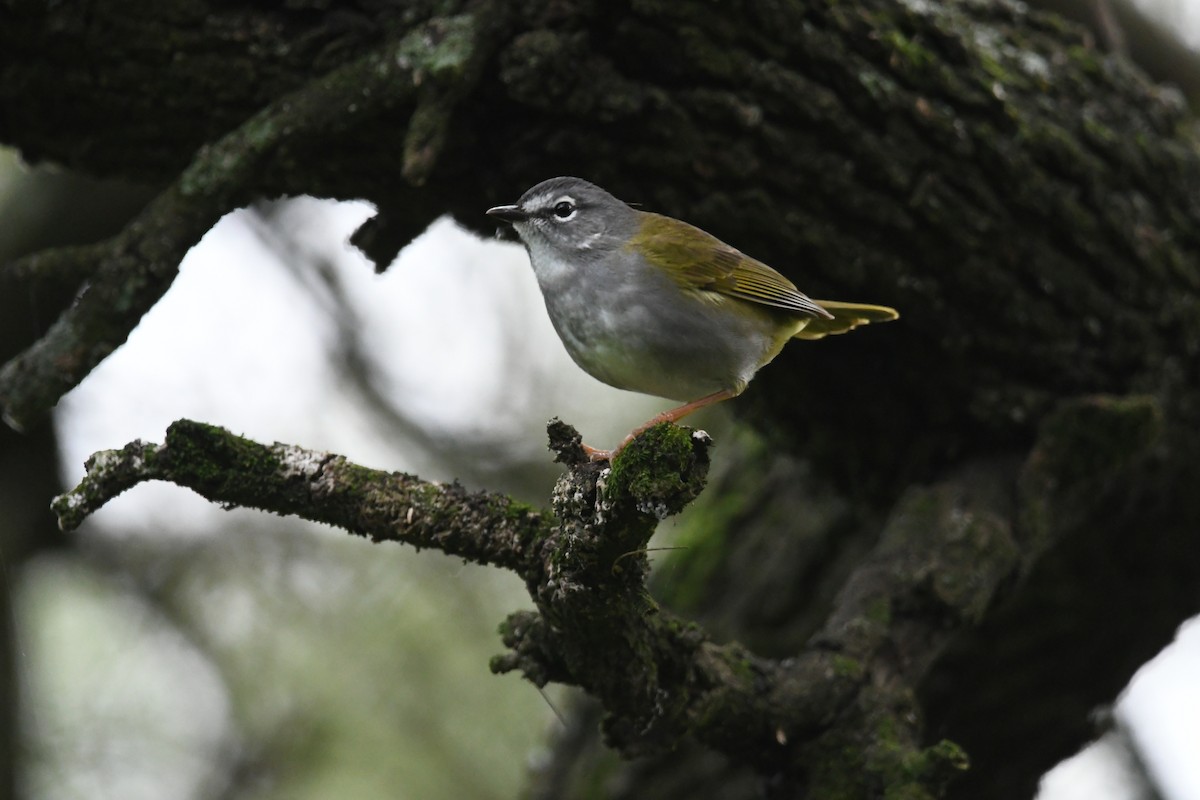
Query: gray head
x,y
569,215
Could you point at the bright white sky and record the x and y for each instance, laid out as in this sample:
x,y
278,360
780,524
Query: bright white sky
x,y
1180,16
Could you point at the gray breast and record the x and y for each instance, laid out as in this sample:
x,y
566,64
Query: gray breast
x,y
637,330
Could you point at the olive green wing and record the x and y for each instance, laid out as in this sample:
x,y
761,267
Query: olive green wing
x,y
698,260
845,317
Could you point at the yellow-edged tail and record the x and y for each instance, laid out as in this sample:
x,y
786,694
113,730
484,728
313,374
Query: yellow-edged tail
x,y
846,317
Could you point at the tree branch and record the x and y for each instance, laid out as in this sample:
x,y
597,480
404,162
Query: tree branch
x,y
842,712
131,271
234,471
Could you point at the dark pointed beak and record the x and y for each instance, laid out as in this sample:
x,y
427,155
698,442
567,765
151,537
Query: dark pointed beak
x,y
508,213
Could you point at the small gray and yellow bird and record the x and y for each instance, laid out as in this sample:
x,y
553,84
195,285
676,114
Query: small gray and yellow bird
x,y
654,305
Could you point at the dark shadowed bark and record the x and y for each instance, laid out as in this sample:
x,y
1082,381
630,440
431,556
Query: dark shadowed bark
x,y
29,463
969,526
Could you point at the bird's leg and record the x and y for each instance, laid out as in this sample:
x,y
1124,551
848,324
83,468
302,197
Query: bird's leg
x,y
670,415
676,414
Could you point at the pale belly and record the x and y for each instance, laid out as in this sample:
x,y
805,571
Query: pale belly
x,y
684,353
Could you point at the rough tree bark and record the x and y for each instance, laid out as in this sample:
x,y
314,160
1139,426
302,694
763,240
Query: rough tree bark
x,y
1004,518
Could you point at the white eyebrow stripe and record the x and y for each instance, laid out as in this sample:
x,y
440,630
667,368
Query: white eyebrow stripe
x,y
541,203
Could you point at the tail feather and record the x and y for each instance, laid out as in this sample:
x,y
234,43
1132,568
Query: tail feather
x,y
846,317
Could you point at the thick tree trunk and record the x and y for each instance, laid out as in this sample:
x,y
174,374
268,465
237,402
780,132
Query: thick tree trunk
x,y
1027,202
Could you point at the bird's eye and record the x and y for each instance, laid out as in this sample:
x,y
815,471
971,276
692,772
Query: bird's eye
x,y
564,209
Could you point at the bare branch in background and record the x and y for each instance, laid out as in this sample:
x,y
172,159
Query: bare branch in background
x,y
130,272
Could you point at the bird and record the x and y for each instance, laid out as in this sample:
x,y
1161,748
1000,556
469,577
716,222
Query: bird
x,y
652,304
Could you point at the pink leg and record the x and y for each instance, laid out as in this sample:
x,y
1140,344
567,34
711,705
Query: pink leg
x,y
671,415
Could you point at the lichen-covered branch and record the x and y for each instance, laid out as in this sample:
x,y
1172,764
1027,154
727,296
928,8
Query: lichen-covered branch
x,y
843,714
660,678
839,716
283,479
130,272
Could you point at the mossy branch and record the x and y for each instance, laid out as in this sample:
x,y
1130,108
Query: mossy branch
x,y
840,715
283,479
130,272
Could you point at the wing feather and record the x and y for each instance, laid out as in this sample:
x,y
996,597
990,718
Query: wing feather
x,y
698,260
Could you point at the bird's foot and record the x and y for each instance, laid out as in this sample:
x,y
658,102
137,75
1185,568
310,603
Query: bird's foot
x,y
595,455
